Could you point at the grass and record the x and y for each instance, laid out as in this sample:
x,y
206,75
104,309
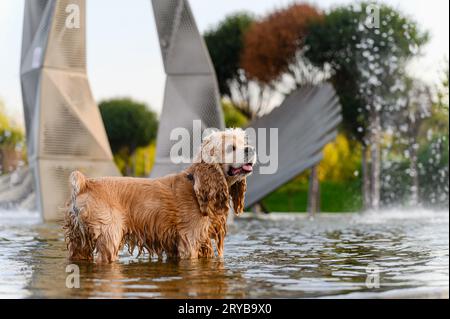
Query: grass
x,y
335,197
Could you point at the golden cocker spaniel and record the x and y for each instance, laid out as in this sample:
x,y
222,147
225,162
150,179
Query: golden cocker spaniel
x,y
176,215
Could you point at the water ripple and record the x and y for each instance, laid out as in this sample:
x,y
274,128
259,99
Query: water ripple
x,y
283,255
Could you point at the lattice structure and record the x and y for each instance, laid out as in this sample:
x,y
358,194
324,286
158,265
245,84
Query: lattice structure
x,y
64,127
191,91
307,120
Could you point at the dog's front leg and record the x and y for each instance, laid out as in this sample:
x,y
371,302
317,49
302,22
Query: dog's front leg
x,y
206,249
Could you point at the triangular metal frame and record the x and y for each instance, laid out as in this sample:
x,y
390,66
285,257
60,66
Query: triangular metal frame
x,y
64,127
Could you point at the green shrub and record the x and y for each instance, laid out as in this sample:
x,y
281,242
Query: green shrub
x,y
334,197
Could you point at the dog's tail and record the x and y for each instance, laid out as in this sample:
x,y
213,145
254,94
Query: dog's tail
x,y
76,232
78,183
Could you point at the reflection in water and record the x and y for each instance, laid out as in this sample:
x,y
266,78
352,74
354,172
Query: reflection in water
x,y
286,256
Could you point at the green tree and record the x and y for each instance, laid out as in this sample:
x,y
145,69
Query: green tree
x,y
129,125
225,43
367,62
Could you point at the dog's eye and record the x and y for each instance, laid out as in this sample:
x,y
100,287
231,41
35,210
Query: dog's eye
x,y
231,148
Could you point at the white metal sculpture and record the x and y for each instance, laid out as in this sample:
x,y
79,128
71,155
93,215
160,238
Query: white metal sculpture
x,y
64,127
191,91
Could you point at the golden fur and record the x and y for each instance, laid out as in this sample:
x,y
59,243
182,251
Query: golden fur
x,y
176,215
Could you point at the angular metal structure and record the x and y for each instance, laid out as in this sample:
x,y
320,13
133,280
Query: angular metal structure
x,y
307,120
191,91
64,127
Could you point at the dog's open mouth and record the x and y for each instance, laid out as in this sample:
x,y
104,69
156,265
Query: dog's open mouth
x,y
244,169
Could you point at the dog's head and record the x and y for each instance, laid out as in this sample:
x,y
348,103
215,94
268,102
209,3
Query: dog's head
x,y
226,160
231,150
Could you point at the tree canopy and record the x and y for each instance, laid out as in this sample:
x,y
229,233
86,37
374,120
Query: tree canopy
x,y
273,44
129,124
365,61
225,44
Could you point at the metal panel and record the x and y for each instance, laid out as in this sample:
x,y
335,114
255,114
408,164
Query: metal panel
x,y
182,47
66,49
307,120
191,91
64,127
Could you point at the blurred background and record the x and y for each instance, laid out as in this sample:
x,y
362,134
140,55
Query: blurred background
x,y
392,83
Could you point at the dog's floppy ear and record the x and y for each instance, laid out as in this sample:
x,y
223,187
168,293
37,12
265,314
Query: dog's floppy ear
x,y
237,193
211,189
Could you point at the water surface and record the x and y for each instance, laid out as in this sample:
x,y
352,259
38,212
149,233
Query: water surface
x,y
283,255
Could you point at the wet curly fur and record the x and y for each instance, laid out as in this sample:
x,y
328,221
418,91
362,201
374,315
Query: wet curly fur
x,y
176,215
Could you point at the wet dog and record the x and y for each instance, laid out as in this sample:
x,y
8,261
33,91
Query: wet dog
x,y
176,215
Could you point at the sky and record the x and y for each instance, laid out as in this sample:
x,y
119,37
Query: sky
x,y
123,52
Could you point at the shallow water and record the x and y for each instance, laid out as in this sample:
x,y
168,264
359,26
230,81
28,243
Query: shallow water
x,y
284,255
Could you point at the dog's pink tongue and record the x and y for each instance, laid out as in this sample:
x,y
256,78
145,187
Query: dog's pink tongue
x,y
247,167
236,170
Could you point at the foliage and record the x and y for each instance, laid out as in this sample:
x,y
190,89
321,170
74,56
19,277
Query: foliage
x,y
233,116
443,93
334,197
10,135
434,151
128,124
365,62
225,44
273,43
273,60
341,161
12,142
405,127
144,160
396,183
138,164
340,182
437,124
434,172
